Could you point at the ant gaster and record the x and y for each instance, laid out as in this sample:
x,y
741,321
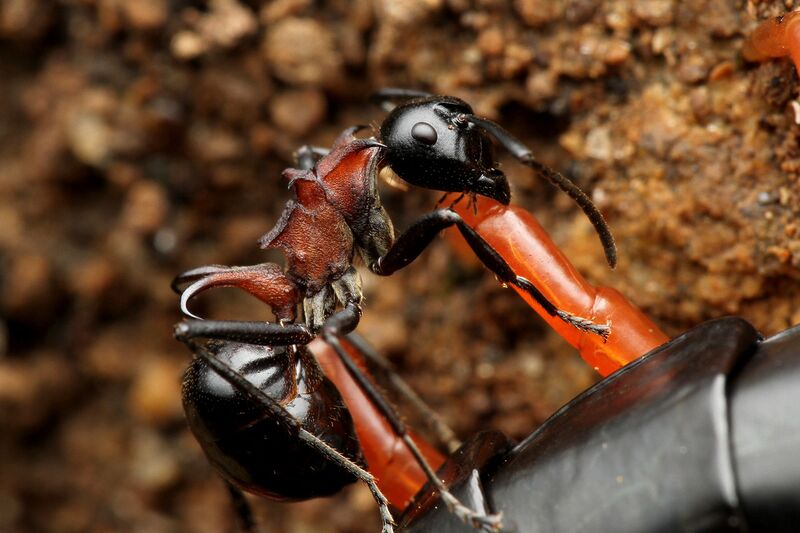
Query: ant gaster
x,y
430,141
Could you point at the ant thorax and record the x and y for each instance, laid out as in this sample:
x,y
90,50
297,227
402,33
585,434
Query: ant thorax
x,y
336,212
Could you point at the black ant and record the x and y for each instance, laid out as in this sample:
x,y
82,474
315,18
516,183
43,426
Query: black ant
x,y
434,142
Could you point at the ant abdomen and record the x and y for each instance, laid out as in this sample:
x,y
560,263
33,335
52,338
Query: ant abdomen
x,y
248,446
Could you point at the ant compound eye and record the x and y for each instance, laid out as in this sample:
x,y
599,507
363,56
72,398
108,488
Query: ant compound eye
x,y
424,133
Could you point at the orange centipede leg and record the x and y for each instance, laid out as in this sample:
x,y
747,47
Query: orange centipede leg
x,y
397,473
527,248
773,38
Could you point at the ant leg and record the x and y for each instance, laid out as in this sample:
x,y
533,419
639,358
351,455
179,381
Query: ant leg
x,y
523,154
435,423
416,238
259,333
199,351
247,522
345,321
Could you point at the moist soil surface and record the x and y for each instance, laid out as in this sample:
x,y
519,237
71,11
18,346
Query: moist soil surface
x,y
140,139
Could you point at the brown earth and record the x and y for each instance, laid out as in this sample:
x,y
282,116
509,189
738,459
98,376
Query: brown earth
x,y
138,139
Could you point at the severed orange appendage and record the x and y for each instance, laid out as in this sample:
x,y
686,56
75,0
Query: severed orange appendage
x,y
396,472
773,38
527,248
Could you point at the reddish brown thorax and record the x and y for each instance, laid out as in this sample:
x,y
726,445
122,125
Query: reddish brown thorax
x,y
313,234
336,212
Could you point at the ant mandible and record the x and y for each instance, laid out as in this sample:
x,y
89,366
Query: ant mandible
x,y
434,142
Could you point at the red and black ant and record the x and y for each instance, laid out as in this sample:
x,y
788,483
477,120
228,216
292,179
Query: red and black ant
x,y
266,416
278,378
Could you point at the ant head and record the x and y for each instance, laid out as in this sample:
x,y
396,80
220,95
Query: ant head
x,y
432,142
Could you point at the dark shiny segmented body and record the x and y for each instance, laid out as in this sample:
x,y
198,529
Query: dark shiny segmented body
x,y
336,215
463,157
701,434
248,448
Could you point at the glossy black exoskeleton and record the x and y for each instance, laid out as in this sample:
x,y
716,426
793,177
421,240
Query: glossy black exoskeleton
x,y
701,434
438,143
255,452
430,143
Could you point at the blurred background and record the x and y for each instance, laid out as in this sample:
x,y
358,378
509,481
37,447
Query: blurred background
x,y
141,138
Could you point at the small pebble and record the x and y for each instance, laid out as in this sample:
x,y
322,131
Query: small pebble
x,y
303,51
155,394
654,12
297,112
145,14
146,207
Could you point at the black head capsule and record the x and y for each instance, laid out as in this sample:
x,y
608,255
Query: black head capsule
x,y
429,143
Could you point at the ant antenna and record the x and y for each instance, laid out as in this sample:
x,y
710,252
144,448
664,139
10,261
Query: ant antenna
x,y
523,154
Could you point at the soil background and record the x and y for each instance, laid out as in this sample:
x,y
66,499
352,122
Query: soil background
x,y
142,138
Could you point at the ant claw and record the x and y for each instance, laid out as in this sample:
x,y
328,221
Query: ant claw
x,y
584,324
491,523
477,519
181,331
